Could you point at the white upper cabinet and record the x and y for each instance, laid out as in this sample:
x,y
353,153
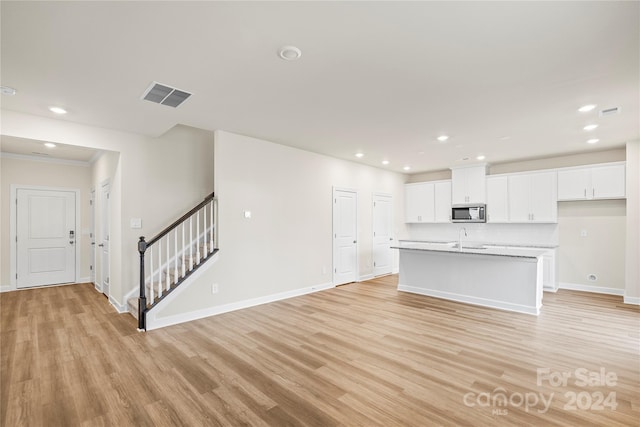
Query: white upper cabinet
x,y
468,184
532,197
428,202
592,182
497,199
442,201
419,202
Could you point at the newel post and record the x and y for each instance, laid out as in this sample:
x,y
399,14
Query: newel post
x,y
142,301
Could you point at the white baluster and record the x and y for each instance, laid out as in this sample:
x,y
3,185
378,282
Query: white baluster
x,y
182,250
204,231
159,290
198,237
152,273
211,229
175,255
191,243
167,270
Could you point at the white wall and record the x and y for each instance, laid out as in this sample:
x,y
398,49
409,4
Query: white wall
x,y
287,243
30,172
157,179
632,271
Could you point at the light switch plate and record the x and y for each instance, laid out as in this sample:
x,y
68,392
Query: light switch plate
x,y
136,222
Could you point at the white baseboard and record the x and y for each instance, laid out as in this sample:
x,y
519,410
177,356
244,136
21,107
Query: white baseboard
x,y
84,280
365,277
6,288
632,300
119,307
471,300
591,288
155,322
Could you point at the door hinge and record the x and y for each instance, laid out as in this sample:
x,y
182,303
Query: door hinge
x,y
91,202
335,270
374,264
334,201
16,276
91,267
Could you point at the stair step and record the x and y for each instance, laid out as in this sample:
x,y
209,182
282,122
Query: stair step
x,y
132,303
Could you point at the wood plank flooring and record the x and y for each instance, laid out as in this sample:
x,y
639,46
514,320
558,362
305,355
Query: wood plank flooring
x,y
362,354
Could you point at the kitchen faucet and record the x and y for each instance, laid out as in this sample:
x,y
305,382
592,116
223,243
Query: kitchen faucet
x,y
460,237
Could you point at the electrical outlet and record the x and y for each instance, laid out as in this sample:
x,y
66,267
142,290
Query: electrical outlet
x,y
214,288
592,277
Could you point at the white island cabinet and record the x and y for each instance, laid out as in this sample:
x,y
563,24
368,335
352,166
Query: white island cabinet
x,y
504,278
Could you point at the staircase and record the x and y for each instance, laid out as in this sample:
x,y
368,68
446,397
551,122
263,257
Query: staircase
x,y
173,255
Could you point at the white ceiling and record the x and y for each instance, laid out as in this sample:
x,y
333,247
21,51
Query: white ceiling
x,y
34,148
503,79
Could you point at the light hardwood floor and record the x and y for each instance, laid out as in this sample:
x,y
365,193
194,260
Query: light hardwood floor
x,y
361,354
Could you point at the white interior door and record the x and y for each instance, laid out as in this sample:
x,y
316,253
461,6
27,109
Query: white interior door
x,y
104,238
92,237
45,237
382,234
345,230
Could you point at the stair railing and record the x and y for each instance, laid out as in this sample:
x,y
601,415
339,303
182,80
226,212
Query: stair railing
x,y
176,252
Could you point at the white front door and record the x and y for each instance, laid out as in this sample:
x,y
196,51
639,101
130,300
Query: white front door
x,y
104,238
382,234
345,230
46,237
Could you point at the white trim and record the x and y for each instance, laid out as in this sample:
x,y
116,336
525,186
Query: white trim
x,y
13,231
84,280
590,288
632,300
119,307
6,288
42,159
472,300
366,277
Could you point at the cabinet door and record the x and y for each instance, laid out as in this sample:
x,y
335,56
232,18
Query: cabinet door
x,y
519,196
419,203
608,182
476,185
497,199
544,199
459,186
442,191
573,183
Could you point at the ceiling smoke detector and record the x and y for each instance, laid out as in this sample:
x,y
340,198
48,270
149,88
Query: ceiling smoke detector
x,y
289,53
166,95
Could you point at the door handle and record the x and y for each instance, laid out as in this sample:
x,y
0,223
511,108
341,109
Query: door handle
x,y
355,241
93,243
390,238
101,245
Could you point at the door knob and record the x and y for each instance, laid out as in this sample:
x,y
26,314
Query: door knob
x,y
355,241
101,245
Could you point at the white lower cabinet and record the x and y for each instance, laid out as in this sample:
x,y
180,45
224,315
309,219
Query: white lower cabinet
x,y
549,267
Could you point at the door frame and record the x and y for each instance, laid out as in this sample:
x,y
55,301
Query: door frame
x,y
373,229
105,217
333,232
13,231
92,235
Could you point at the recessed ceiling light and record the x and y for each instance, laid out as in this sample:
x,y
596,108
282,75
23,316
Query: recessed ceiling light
x,y
289,53
481,157
359,155
6,90
385,162
50,145
590,127
587,108
57,110
407,168
421,153
443,138
592,141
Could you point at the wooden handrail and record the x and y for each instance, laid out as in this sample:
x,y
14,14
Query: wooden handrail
x,y
180,220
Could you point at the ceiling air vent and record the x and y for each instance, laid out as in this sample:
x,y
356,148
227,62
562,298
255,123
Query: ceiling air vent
x,y
165,95
610,111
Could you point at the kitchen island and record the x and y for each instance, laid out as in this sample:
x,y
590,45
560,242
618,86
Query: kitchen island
x,y
497,277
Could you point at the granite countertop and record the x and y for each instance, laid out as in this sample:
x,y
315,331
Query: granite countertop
x,y
471,248
471,243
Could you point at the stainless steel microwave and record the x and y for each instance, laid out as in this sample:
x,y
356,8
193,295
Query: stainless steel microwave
x,y
469,213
